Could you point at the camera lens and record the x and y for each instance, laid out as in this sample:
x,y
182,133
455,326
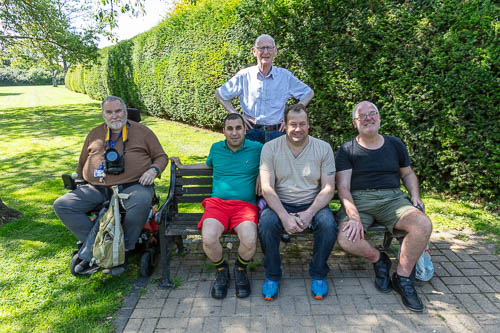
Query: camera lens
x,y
111,155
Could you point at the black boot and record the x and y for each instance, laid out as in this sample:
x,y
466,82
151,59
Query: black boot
x,y
382,270
241,282
405,287
221,283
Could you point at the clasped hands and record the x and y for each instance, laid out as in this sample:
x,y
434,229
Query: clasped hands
x,y
297,222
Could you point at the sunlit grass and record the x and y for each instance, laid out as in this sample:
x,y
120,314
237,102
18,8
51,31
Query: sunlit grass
x,y
42,131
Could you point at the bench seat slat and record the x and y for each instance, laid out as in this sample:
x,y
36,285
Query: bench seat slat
x,y
175,231
192,199
187,216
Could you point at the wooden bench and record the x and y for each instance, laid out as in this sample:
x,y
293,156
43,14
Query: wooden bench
x,y
192,186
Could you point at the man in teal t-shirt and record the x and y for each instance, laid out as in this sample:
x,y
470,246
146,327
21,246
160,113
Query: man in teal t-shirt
x,y
232,207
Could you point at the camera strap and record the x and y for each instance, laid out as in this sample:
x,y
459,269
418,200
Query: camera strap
x,y
111,143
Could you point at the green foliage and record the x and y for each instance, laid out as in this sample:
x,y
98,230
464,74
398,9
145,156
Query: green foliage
x,y
27,77
430,66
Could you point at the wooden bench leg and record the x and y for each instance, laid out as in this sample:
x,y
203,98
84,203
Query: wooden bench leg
x,y
165,256
180,245
387,241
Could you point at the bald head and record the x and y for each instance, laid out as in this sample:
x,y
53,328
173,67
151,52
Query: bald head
x,y
362,104
266,37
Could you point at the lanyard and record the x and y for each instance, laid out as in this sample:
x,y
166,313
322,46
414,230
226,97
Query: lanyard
x,y
111,142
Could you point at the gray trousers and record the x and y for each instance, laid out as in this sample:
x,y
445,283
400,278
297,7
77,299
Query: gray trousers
x,y
72,210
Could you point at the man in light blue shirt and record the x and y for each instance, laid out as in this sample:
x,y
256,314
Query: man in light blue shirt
x,y
263,90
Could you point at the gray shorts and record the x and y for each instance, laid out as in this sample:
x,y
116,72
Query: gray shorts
x,y
386,206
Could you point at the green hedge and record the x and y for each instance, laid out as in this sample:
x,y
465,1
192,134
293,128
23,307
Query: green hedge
x,y
430,66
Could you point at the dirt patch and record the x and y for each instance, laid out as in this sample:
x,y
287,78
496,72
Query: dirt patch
x,y
7,214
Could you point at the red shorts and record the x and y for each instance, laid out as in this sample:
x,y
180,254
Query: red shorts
x,y
229,212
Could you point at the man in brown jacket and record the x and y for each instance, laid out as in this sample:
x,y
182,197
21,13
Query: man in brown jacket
x,y
139,160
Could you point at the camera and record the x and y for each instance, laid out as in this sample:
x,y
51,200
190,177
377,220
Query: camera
x,y
113,163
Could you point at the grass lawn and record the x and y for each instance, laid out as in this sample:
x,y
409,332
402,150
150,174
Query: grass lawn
x,y
42,131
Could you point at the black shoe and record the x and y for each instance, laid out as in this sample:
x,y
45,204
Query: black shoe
x,y
405,287
241,283
285,238
221,283
382,270
83,267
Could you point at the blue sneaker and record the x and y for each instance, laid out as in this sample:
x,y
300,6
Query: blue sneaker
x,y
270,290
319,289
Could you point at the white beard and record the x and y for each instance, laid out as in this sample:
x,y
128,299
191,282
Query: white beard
x,y
116,125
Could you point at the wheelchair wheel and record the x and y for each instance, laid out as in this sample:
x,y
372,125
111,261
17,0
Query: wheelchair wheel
x,y
74,261
146,266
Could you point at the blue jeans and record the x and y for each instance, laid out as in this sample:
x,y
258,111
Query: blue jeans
x,y
324,229
262,136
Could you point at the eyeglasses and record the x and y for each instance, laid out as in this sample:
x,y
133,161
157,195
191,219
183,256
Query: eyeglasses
x,y
366,115
265,48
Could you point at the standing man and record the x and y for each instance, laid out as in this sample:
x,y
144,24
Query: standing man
x,y
263,90
297,174
369,170
232,207
142,160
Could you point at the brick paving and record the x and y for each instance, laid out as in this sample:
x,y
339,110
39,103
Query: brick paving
x,y
463,295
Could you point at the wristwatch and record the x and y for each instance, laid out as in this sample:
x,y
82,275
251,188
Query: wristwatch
x,y
156,170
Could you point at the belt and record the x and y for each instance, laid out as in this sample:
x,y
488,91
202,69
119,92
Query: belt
x,y
267,127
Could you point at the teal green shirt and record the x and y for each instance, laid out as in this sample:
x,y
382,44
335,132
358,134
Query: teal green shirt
x,y
234,173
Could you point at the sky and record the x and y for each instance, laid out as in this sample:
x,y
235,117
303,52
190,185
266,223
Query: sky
x,y
128,27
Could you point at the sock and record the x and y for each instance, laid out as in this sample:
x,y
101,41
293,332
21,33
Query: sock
x,y
220,264
241,263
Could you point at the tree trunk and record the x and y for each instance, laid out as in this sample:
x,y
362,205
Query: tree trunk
x,y
54,78
7,214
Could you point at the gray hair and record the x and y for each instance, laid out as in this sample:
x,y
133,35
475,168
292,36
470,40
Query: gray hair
x,y
357,106
264,36
111,99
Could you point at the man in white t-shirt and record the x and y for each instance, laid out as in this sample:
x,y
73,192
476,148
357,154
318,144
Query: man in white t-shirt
x,y
297,174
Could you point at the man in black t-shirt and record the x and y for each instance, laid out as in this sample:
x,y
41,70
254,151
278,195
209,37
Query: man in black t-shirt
x,y
370,168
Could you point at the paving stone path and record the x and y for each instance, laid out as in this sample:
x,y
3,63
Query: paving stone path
x,y
463,295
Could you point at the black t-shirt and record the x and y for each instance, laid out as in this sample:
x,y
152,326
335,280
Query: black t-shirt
x,y
373,168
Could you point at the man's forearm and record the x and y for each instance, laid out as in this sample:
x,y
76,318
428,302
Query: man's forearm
x,y
226,104
274,202
410,181
307,98
322,200
347,201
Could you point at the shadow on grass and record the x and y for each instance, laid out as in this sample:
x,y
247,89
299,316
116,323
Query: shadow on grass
x,y
10,94
45,122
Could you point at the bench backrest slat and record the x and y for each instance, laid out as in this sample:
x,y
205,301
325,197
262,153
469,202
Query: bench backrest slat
x,y
193,181
193,172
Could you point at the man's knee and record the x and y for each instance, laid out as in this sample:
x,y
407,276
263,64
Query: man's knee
x,y
247,233
325,222
424,225
59,204
140,197
342,238
211,232
415,223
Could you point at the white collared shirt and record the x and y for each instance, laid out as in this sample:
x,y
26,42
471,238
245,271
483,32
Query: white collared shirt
x,y
264,98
